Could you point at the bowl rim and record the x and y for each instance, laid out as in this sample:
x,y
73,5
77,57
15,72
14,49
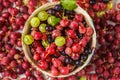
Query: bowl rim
x,y
26,30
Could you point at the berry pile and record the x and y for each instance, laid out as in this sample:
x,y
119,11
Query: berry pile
x,y
59,39
105,64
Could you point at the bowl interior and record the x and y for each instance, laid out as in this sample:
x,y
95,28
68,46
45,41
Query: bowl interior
x,y
27,27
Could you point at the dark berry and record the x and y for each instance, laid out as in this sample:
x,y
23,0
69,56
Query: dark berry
x,y
58,8
79,34
50,39
63,53
83,56
78,63
51,11
106,1
88,51
69,12
49,28
68,60
92,2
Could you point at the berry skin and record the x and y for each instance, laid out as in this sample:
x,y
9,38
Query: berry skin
x,y
69,42
83,78
50,50
36,56
68,51
60,41
64,22
82,29
56,62
43,65
89,31
42,28
37,35
79,17
74,25
43,15
28,39
54,72
76,48
71,33
35,22
64,70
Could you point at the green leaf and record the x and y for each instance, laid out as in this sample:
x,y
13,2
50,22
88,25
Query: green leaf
x,y
69,4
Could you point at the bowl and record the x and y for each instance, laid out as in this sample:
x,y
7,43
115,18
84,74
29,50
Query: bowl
x,y
26,30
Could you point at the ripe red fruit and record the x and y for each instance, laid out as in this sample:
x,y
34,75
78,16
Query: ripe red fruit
x,y
43,55
72,78
37,35
83,42
64,70
36,56
82,29
79,17
54,72
56,62
74,25
39,49
64,22
25,65
118,17
96,7
43,65
28,73
50,50
89,31
76,48
68,51
111,59
69,42
118,5
71,33
106,74
94,77
20,20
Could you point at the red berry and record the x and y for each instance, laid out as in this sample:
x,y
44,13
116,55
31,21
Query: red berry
x,y
111,59
94,77
37,35
82,29
96,7
74,25
71,33
64,70
64,22
118,17
79,17
43,65
68,51
56,62
54,72
39,49
69,42
76,48
106,74
25,65
83,42
72,78
89,31
36,56
118,5
51,50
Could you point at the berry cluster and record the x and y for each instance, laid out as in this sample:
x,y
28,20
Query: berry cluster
x,y
59,39
105,64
